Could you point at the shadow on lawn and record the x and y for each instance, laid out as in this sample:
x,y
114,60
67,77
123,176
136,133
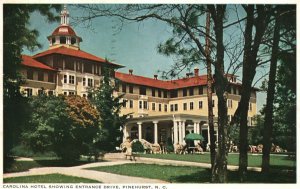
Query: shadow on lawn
x,y
204,176
20,166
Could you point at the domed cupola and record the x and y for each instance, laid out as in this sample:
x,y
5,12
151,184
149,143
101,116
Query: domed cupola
x,y
64,35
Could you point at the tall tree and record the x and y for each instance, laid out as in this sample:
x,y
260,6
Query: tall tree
x,y
281,15
17,36
257,19
221,83
209,96
109,107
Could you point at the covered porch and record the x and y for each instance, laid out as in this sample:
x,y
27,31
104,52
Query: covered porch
x,y
163,128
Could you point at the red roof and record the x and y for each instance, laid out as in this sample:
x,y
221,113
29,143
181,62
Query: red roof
x,y
30,62
75,53
63,30
174,84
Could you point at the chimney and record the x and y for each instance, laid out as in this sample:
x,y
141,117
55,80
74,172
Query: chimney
x,y
196,72
155,77
130,71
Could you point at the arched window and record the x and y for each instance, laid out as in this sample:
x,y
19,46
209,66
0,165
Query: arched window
x,y
63,40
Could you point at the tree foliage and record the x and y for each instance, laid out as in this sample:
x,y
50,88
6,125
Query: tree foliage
x,y
17,36
55,125
109,107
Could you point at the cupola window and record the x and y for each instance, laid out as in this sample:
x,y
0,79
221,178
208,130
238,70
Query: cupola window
x,y
63,40
73,40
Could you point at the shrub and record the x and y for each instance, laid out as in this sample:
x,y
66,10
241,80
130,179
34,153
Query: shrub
x,y
137,147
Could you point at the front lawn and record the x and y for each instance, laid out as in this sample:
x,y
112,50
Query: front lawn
x,y
50,178
254,160
187,174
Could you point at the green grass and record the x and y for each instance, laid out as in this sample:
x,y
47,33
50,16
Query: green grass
x,y
50,178
187,174
233,159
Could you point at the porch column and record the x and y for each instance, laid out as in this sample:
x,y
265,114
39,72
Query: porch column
x,y
155,132
208,135
195,127
140,130
198,127
180,132
183,130
175,132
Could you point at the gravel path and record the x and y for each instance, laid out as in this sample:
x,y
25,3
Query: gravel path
x,y
80,171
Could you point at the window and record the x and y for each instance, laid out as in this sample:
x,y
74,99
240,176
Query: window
x,y
29,92
213,103
165,94
191,91
40,76
73,40
213,89
65,79
145,105
83,81
40,92
153,106
130,88
153,92
159,93
159,107
88,68
90,82
142,90
71,93
50,93
140,104
229,103
62,40
124,103
191,105
29,74
250,106
50,77
71,79
53,40
200,90
172,107
131,104
184,106
176,107
166,107
184,92
123,88
65,93
174,94
200,104
84,95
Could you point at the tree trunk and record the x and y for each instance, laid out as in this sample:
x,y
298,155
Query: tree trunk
x,y
209,97
220,167
268,125
249,69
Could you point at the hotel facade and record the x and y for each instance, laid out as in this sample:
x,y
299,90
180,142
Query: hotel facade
x,y
160,109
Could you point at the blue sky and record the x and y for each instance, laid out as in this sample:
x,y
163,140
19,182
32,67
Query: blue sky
x,y
135,47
